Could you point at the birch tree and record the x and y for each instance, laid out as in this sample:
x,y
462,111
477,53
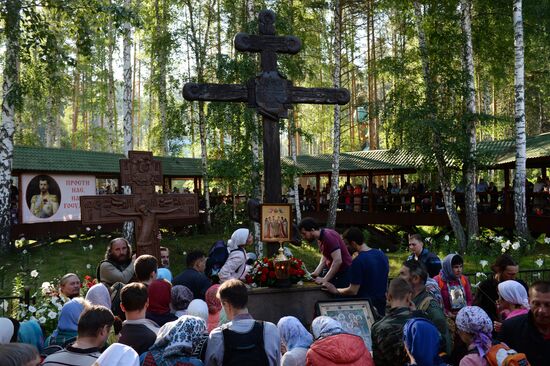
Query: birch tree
x,y
333,205
10,97
436,140
520,214
472,223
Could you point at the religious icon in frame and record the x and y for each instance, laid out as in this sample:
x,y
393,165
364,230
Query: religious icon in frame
x,y
355,316
276,222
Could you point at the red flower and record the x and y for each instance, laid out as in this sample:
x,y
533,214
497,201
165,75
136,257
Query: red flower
x,y
89,284
266,260
87,278
263,278
272,275
265,271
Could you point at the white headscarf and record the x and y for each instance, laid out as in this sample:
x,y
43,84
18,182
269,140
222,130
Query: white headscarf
x,y
239,237
6,330
99,295
118,354
198,308
514,293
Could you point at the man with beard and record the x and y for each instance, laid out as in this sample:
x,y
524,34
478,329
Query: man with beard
x,y
118,265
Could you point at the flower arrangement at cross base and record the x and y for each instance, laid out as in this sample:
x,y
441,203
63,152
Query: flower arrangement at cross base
x,y
262,273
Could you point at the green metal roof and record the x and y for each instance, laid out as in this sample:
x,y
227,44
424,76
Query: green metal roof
x,y
491,153
65,160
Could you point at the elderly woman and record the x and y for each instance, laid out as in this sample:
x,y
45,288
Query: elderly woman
x,y
474,328
235,265
99,294
175,343
160,295
512,301
181,298
421,339
67,325
333,346
69,286
214,307
296,339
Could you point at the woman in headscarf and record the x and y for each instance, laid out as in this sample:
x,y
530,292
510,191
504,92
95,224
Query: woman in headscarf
x,y
454,286
333,346
475,329
214,306
30,332
98,294
118,354
181,298
421,340
8,330
164,274
512,301
159,302
175,343
296,340
199,309
67,325
69,286
235,265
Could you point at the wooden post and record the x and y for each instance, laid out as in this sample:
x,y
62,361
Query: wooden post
x,y
371,203
318,184
543,172
401,180
348,178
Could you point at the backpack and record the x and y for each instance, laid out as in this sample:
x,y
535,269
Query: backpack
x,y
244,349
217,255
451,325
502,355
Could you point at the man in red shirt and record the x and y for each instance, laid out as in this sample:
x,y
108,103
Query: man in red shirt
x,y
336,258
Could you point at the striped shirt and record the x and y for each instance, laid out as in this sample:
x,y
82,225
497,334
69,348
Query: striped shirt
x,y
72,356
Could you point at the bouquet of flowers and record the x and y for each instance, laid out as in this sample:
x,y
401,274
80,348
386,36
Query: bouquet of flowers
x,y
262,273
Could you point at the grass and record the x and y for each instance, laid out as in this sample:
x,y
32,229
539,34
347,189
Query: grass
x,y
81,254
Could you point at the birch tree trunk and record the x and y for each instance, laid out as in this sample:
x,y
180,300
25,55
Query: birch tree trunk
x,y
520,210
296,180
10,96
162,59
204,163
472,223
437,144
128,229
331,222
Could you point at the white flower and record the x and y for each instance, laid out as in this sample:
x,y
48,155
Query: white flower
x,y
539,262
184,253
32,309
91,246
84,248
483,263
88,228
45,285
516,245
5,305
59,306
446,238
25,251
52,315
88,266
34,273
547,240
503,250
300,283
429,239
42,320
98,227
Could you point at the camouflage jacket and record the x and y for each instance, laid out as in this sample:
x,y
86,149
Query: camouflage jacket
x,y
387,338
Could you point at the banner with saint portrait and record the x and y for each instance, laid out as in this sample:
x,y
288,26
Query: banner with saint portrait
x,y
276,222
54,197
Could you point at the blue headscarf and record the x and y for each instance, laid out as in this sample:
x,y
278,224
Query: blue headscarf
x,y
422,340
164,274
293,334
68,317
447,273
31,333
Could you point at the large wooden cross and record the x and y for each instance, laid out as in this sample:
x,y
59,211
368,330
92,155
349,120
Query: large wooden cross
x,y
269,92
144,206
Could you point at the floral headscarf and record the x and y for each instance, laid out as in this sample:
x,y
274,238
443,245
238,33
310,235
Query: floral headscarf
x,y
98,294
422,340
181,297
324,326
474,320
179,337
293,334
514,293
214,304
239,237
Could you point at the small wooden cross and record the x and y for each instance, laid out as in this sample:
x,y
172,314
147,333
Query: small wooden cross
x,y
144,206
270,93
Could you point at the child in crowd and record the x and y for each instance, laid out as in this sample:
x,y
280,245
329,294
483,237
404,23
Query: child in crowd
x,y
454,286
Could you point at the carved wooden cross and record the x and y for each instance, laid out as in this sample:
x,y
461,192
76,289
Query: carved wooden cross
x,y
269,92
144,206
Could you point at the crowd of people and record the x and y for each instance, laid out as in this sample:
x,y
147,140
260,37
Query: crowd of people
x,y
139,314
